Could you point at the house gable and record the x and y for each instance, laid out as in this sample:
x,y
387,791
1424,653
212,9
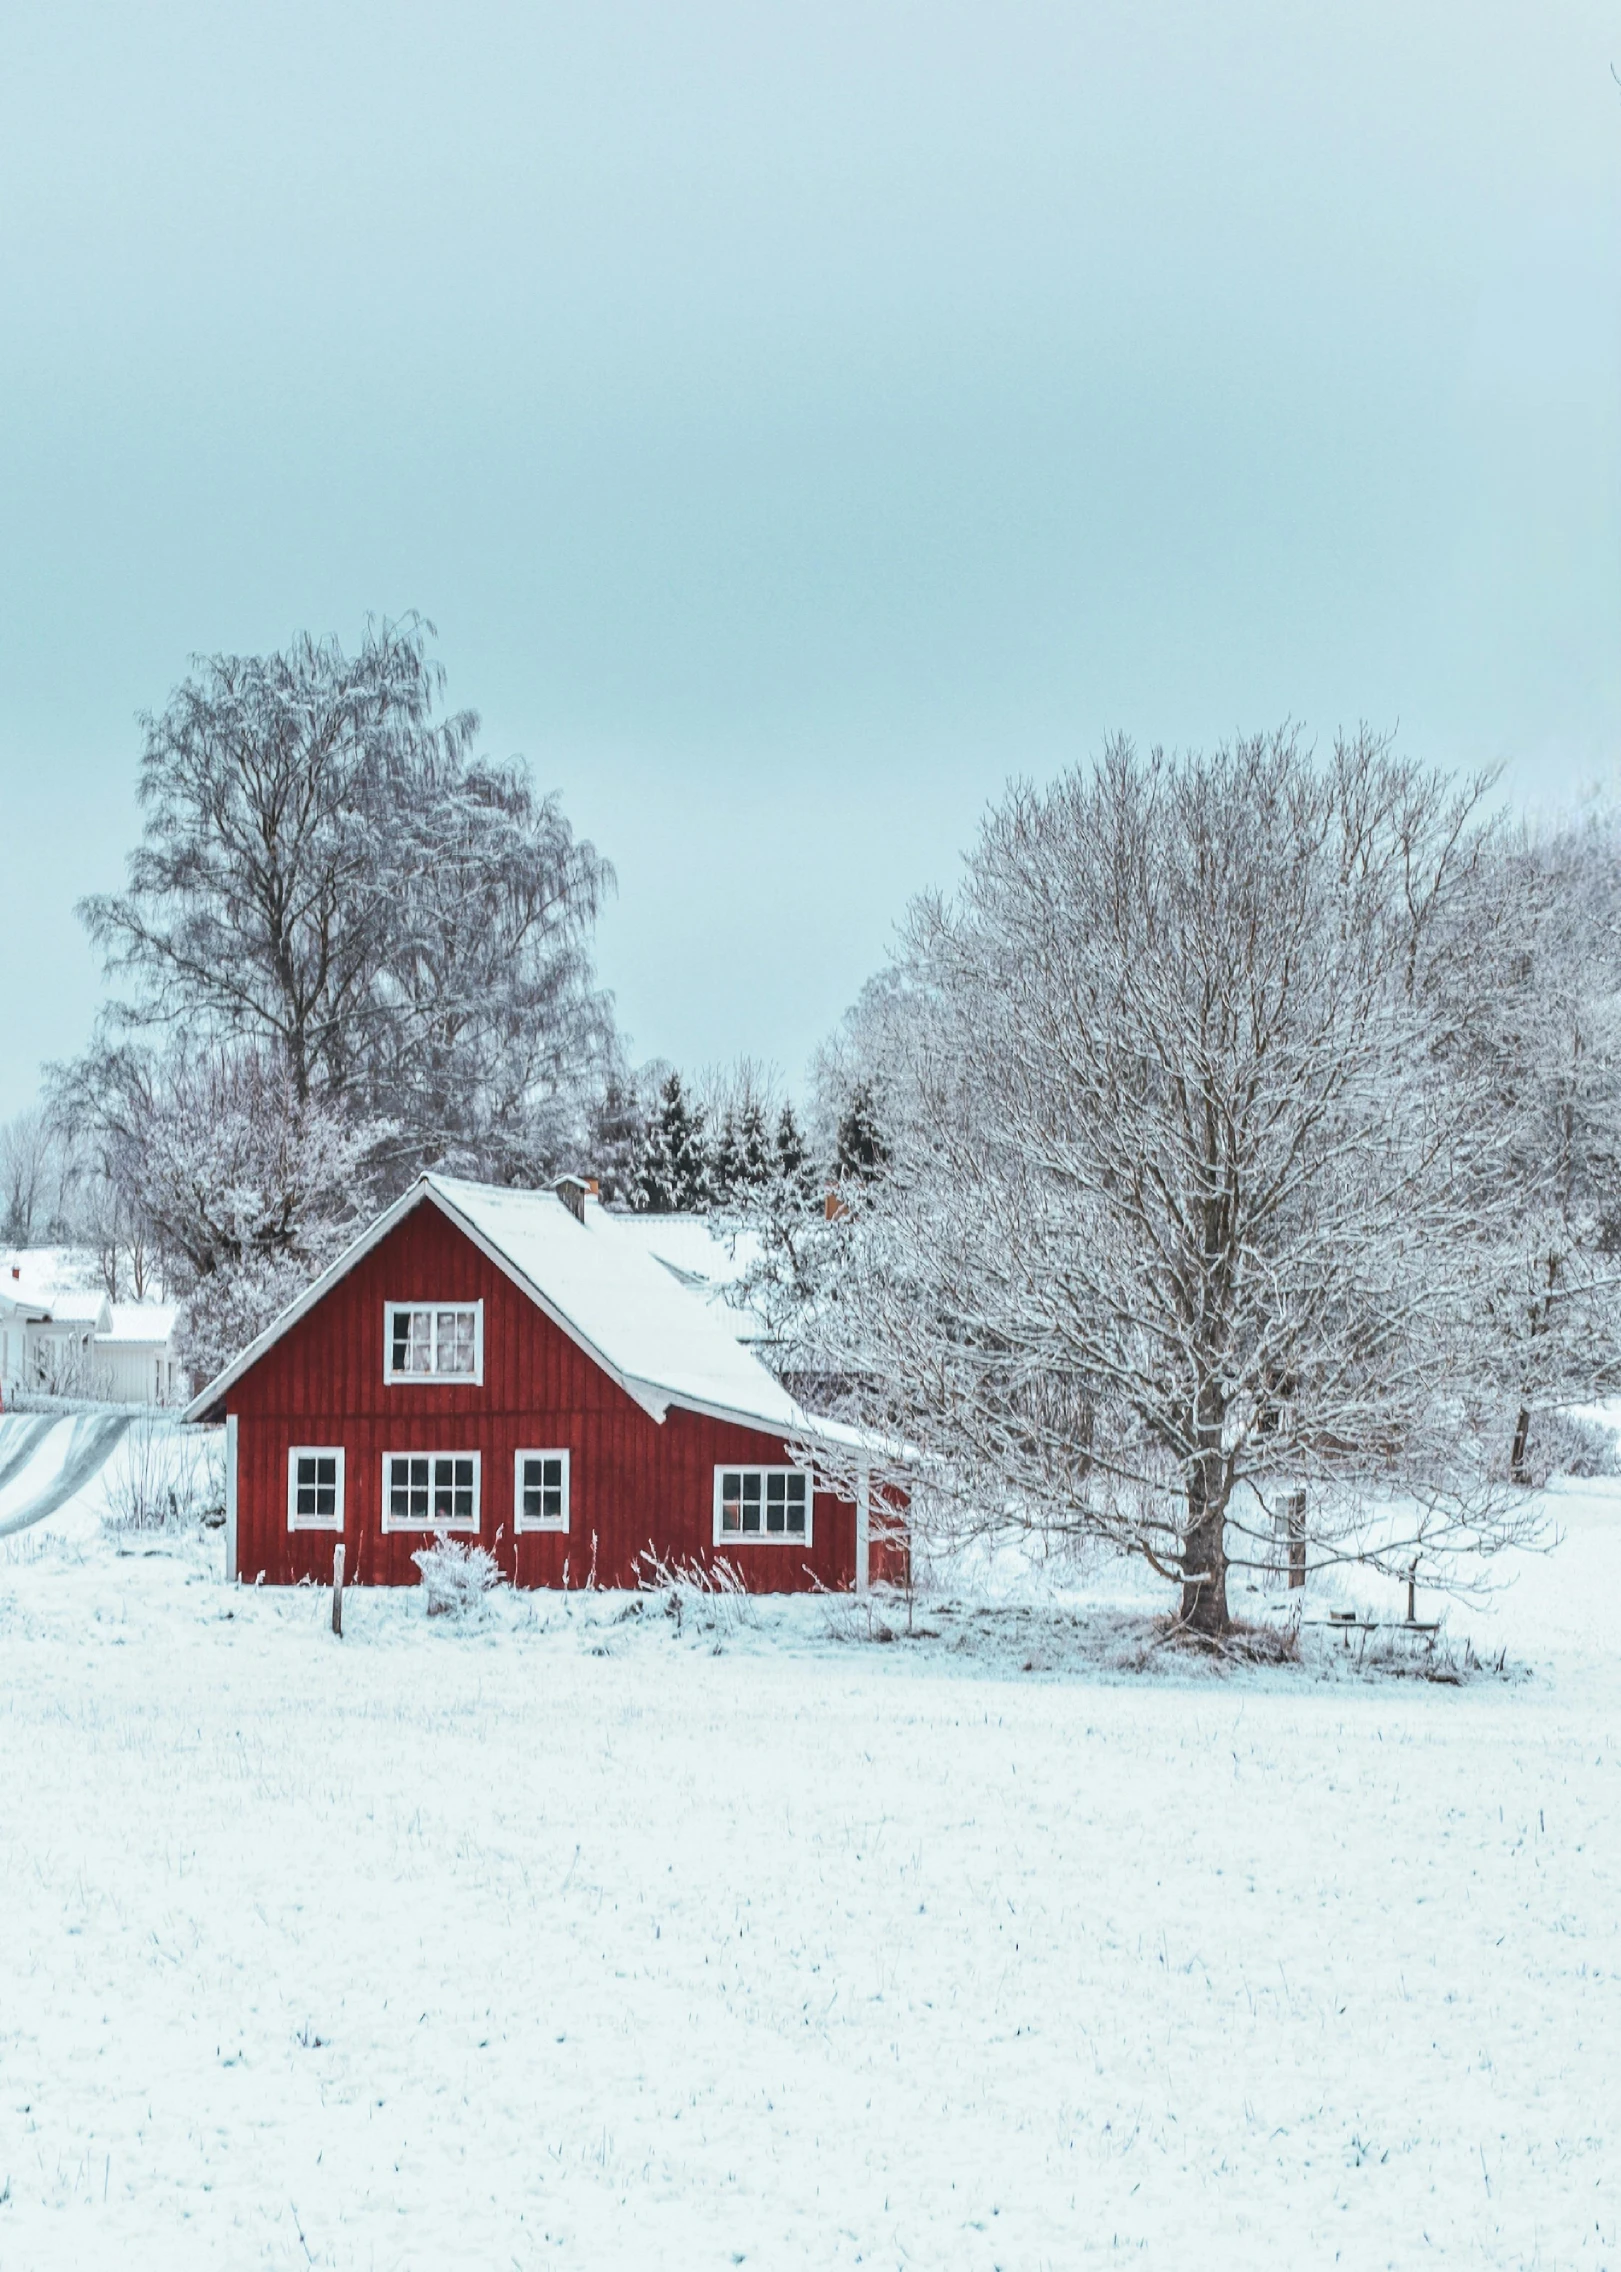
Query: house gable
x,y
330,1359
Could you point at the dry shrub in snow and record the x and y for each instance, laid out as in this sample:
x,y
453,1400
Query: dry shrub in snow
x,y
711,1597
456,1578
1560,1443
158,1479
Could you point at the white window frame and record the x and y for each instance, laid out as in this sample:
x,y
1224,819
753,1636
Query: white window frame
x,y
523,1522
764,1537
427,1527
296,1521
435,1379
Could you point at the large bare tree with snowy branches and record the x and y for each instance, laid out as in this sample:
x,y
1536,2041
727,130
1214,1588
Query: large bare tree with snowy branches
x,y
1193,1195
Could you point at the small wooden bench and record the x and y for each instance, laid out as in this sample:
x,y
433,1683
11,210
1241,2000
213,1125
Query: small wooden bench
x,y
1347,1621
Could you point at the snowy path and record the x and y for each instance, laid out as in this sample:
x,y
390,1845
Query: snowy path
x,y
572,1942
44,1463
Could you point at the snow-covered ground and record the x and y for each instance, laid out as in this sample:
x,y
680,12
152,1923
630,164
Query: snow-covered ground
x,y
579,1939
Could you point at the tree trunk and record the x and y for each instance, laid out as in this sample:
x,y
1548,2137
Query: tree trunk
x,y
1517,1467
1204,1571
1204,1539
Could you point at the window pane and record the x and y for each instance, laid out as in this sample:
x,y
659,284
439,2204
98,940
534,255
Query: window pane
x,y
400,1356
421,1342
455,1340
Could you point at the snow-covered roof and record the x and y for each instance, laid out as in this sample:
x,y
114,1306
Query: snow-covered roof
x,y
150,1322
79,1306
711,1262
62,1280
660,1339
52,1285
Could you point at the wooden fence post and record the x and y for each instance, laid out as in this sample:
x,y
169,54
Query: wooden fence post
x,y
337,1590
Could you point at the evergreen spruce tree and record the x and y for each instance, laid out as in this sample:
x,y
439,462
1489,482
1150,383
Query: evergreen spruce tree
x,y
617,1137
725,1167
862,1152
793,1161
673,1170
753,1148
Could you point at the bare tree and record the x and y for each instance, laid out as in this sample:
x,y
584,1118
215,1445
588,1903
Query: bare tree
x,y
1184,1166
328,871
244,1190
1545,1034
25,1148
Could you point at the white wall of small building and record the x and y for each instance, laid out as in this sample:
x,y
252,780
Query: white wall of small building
x,y
139,1372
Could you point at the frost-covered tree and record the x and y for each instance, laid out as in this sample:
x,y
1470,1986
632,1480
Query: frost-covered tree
x,y
1544,1040
791,1164
672,1172
25,1176
616,1129
1189,1190
330,872
245,1189
861,1152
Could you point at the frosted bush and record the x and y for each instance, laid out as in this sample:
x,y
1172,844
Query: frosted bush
x,y
1563,1443
456,1578
711,1596
152,1481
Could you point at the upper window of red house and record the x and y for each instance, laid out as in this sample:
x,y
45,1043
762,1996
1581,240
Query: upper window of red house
x,y
433,1341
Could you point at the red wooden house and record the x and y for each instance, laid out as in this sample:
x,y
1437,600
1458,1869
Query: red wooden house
x,y
511,1367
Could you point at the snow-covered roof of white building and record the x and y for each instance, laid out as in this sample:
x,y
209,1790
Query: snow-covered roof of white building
x,y
662,1340
152,1323
53,1285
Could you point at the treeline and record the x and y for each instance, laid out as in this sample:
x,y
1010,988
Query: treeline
x,y
1239,1144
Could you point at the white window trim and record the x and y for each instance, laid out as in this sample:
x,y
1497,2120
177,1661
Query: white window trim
x,y
427,1528
765,1537
295,1453
523,1522
474,1379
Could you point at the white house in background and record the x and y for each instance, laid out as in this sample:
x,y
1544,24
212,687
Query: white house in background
x,y
135,1358
61,1336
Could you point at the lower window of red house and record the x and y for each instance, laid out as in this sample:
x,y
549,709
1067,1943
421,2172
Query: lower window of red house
x,y
315,1487
762,1502
430,1491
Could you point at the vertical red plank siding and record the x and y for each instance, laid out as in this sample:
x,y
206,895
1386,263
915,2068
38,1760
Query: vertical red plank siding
x,y
635,1483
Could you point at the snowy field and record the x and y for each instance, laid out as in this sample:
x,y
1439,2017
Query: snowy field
x,y
580,1940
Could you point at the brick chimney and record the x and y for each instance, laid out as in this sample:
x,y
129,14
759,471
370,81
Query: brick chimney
x,y
574,1191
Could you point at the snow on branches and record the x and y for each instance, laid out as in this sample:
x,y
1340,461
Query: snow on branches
x,y
1193,1191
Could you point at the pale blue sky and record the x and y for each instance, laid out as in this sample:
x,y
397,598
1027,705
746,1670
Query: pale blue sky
x,y
799,418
